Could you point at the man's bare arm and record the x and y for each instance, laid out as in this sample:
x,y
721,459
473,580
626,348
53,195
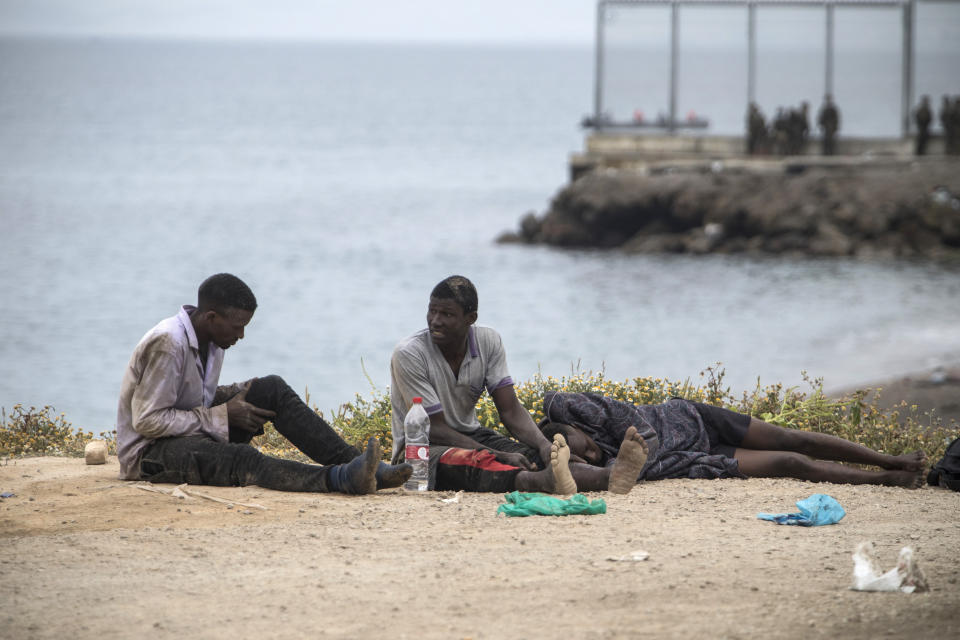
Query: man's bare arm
x,y
518,421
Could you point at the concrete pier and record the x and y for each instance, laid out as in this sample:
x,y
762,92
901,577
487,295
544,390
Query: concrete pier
x,y
619,150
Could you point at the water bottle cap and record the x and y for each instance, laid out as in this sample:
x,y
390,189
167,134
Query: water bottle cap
x,y
417,400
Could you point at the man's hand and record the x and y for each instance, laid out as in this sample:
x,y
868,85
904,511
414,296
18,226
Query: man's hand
x,y
245,416
514,459
226,392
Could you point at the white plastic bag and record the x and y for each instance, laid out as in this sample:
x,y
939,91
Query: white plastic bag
x,y
868,576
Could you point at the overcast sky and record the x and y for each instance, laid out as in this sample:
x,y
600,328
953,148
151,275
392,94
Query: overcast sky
x,y
561,21
467,21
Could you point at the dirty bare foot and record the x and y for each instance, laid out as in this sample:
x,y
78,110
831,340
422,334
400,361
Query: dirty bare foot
x,y
630,460
915,461
905,479
563,482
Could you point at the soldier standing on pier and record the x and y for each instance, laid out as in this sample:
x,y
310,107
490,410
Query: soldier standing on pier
x,y
947,121
756,129
922,117
797,129
829,121
955,127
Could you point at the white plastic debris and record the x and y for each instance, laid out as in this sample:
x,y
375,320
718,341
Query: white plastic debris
x,y
95,452
455,499
636,556
868,576
178,492
713,230
941,195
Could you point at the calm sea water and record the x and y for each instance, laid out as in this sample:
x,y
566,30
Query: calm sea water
x,y
342,182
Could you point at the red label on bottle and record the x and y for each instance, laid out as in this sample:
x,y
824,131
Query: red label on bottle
x,y
417,452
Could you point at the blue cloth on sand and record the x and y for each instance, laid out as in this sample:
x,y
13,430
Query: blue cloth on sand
x,y
816,510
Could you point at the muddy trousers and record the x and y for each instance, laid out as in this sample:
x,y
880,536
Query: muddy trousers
x,y
473,470
199,459
478,469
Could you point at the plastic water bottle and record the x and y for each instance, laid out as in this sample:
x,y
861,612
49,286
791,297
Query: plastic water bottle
x,y
416,432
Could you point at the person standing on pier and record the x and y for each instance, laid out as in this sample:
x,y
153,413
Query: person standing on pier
x,y
948,123
922,117
756,129
829,121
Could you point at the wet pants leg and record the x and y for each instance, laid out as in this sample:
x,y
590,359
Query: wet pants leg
x,y
202,460
297,422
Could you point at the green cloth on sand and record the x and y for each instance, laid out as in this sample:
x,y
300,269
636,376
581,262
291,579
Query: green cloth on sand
x,y
539,504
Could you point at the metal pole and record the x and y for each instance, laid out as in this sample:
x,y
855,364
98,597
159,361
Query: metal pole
x,y
674,30
906,90
828,71
751,53
598,71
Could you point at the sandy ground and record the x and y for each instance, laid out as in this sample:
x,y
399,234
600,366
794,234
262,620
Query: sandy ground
x,y
85,555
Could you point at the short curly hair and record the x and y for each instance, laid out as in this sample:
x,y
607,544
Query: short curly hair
x,y
224,291
458,289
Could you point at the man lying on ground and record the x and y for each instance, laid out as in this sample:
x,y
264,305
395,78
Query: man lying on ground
x,y
695,440
449,364
174,424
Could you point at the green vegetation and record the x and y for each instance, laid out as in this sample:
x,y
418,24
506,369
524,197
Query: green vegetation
x,y
38,432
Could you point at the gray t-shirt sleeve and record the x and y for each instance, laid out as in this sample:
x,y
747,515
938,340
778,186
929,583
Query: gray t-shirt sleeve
x,y
496,373
408,373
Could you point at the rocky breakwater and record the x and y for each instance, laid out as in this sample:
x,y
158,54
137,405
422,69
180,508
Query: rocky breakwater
x,y
898,209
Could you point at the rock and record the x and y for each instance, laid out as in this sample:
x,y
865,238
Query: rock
x,y
950,229
702,240
830,241
655,243
509,237
529,227
95,452
565,234
867,210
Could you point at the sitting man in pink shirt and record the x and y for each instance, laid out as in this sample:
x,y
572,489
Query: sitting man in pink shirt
x,y
174,424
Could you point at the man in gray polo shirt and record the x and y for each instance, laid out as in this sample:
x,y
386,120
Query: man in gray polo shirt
x,y
450,364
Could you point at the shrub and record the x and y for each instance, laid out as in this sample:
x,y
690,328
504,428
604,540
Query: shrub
x,y
901,430
41,432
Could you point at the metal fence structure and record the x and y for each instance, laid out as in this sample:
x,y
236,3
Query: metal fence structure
x,y
906,8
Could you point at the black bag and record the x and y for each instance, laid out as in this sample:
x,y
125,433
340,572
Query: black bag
x,y
946,473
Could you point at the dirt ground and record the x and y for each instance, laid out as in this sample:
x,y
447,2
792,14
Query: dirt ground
x,y
85,555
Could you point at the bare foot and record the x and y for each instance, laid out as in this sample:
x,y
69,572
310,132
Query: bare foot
x,y
563,482
905,479
630,460
915,461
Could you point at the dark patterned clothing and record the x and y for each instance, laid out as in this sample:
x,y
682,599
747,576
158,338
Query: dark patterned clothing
x,y
675,433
